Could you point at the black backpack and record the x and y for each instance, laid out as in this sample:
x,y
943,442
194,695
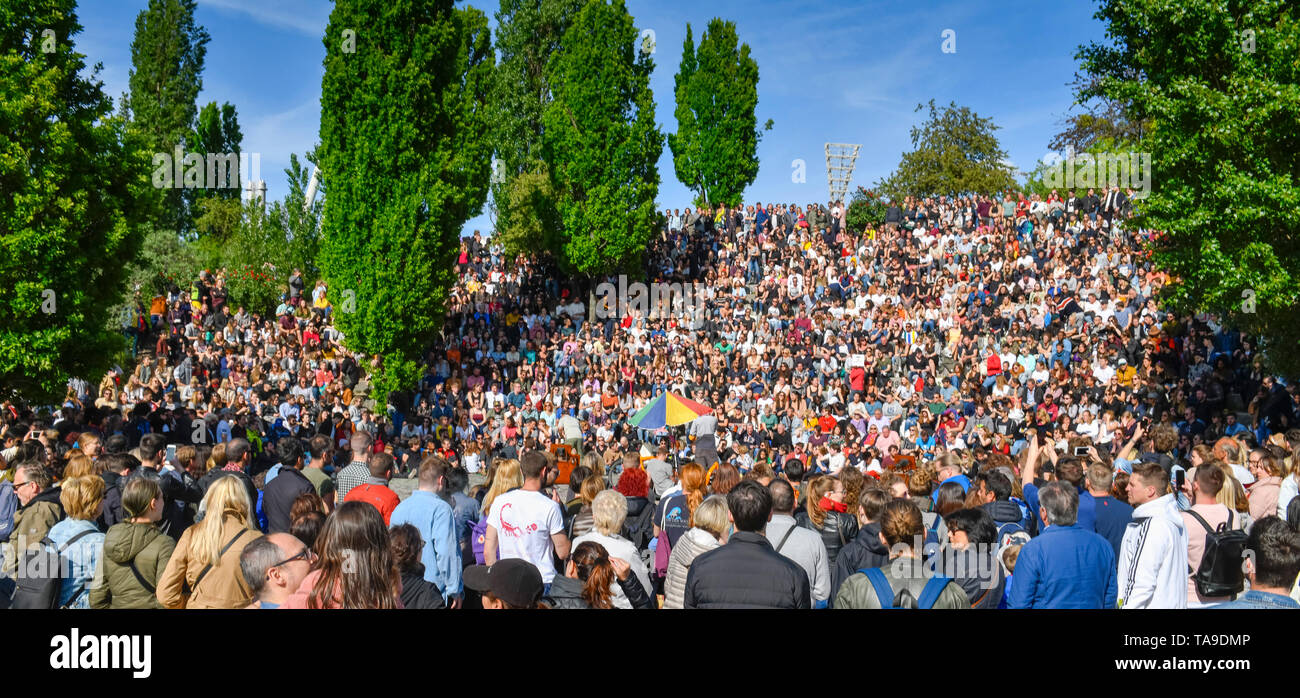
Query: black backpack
x,y
1220,571
40,574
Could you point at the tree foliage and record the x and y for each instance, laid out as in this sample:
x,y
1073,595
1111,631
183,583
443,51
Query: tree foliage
x,y
866,208
167,56
257,247
954,152
1220,85
528,34
406,153
715,149
1101,120
601,140
71,179
1038,180
216,131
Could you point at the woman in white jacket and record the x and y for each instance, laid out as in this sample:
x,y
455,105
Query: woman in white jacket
x,y
710,528
608,512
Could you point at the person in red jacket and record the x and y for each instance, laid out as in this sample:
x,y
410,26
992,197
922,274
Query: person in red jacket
x,y
374,490
994,365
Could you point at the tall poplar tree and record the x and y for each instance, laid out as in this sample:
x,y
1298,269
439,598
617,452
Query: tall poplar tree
x,y
528,34
601,140
406,156
167,55
715,149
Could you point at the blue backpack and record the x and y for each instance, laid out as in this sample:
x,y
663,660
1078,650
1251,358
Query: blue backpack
x,y
1027,519
934,586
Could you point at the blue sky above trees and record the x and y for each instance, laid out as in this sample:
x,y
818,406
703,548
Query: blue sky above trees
x,y
842,71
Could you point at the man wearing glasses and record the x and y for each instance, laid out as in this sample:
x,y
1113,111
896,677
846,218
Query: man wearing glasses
x,y
38,509
274,566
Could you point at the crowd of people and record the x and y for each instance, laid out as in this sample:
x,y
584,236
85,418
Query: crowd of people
x,y
976,404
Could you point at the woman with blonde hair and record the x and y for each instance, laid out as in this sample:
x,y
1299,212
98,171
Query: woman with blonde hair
x,y
203,571
708,530
216,460
594,462
504,476
80,465
584,520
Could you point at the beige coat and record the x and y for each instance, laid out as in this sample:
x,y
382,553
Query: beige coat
x,y
222,587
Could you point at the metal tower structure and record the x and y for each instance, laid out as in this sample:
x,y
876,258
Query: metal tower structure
x,y
840,158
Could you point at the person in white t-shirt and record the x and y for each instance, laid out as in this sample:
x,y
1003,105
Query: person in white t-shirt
x,y
527,524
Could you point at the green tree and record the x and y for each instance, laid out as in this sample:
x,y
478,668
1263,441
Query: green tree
x,y
866,208
601,140
167,55
528,34
1102,119
405,152
715,149
71,178
1218,82
217,131
954,152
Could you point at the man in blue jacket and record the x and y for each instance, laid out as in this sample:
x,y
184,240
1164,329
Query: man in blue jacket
x,y
1065,566
434,518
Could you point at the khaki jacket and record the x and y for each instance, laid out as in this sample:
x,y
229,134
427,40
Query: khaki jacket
x,y
31,523
222,587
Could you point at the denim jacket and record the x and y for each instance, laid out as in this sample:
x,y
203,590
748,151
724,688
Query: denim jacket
x,y
1261,599
81,558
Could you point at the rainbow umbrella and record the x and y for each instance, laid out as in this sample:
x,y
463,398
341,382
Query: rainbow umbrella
x,y
667,410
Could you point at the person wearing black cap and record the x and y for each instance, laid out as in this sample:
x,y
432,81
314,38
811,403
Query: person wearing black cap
x,y
510,583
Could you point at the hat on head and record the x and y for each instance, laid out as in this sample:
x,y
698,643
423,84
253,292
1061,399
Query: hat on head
x,y
514,581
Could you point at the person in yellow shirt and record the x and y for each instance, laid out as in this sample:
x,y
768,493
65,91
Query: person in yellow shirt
x,y
1125,373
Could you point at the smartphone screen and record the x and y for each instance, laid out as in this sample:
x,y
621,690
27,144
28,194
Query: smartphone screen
x,y
171,453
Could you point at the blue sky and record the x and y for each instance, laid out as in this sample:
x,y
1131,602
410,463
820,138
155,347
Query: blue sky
x,y
847,72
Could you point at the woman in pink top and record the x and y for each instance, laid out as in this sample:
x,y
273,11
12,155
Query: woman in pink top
x,y
1205,483
1268,484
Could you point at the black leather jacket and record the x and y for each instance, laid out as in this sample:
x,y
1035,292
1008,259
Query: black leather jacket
x,y
837,530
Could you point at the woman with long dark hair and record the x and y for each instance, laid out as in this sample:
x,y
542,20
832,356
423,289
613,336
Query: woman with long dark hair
x,y
417,592
355,567
589,577
825,512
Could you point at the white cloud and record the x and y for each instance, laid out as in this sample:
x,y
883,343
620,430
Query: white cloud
x,y
307,17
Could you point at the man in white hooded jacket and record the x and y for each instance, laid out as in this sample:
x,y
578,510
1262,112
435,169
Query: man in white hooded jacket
x,y
1153,556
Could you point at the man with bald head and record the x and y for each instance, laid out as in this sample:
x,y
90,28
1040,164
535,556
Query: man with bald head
x,y
239,455
274,566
